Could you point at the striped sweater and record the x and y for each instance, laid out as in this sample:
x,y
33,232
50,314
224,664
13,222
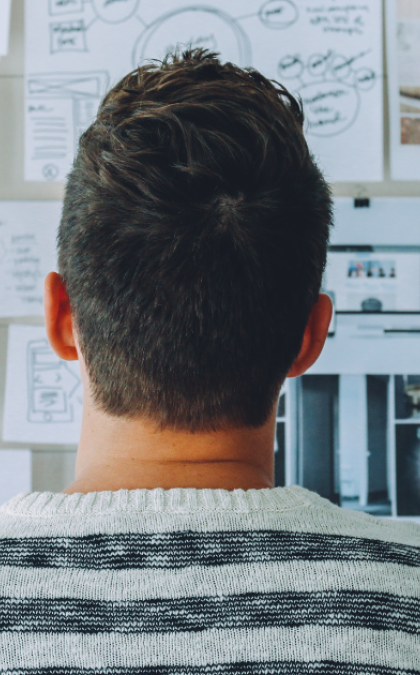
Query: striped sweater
x,y
205,582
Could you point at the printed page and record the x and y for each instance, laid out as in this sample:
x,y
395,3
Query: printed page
x,y
403,47
374,282
328,52
43,399
15,473
27,254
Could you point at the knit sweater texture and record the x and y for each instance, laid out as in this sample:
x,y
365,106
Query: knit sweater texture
x,y
205,582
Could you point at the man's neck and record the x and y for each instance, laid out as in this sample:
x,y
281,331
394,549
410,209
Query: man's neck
x,y
117,453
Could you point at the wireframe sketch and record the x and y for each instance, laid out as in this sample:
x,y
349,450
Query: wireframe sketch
x,y
60,106
52,386
43,395
195,26
330,85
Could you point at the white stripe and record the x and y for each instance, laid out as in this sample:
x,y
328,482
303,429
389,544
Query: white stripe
x,y
312,643
312,520
300,576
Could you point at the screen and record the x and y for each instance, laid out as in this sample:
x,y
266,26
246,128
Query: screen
x,y
374,281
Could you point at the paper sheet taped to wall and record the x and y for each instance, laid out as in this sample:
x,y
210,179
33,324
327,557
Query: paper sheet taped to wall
x,y
403,47
27,253
43,400
328,52
374,281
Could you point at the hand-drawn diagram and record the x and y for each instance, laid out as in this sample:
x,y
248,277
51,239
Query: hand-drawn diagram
x,y
214,30
43,394
23,264
64,6
110,11
59,108
332,100
115,11
68,36
279,13
52,386
27,253
328,52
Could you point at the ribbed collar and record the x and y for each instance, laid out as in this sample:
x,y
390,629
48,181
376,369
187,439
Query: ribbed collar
x,y
175,500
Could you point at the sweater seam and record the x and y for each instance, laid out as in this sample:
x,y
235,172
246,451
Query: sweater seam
x,y
154,513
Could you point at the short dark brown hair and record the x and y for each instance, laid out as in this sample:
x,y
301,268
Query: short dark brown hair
x,y
193,242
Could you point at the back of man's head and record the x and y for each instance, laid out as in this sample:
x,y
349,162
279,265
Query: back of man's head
x,y
192,244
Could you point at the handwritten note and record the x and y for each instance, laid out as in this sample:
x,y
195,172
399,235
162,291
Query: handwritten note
x,y
5,10
43,400
27,254
328,52
403,47
15,473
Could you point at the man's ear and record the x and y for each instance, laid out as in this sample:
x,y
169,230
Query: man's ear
x,y
316,332
58,319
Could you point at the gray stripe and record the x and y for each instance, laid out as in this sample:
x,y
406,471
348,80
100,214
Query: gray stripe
x,y
184,549
350,609
269,668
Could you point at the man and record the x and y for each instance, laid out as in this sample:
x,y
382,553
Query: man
x,y
191,252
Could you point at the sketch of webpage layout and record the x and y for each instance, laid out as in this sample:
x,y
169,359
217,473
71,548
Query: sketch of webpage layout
x,y
403,50
327,51
27,254
43,398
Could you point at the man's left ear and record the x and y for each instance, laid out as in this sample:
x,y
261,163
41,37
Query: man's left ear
x,y
58,319
316,332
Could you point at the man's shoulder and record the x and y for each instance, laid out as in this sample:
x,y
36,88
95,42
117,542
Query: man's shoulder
x,y
326,519
331,519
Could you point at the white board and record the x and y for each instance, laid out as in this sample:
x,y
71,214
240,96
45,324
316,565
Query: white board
x,y
43,398
329,53
15,473
403,51
27,253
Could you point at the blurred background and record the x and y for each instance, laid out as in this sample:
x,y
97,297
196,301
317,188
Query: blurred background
x,y
350,428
